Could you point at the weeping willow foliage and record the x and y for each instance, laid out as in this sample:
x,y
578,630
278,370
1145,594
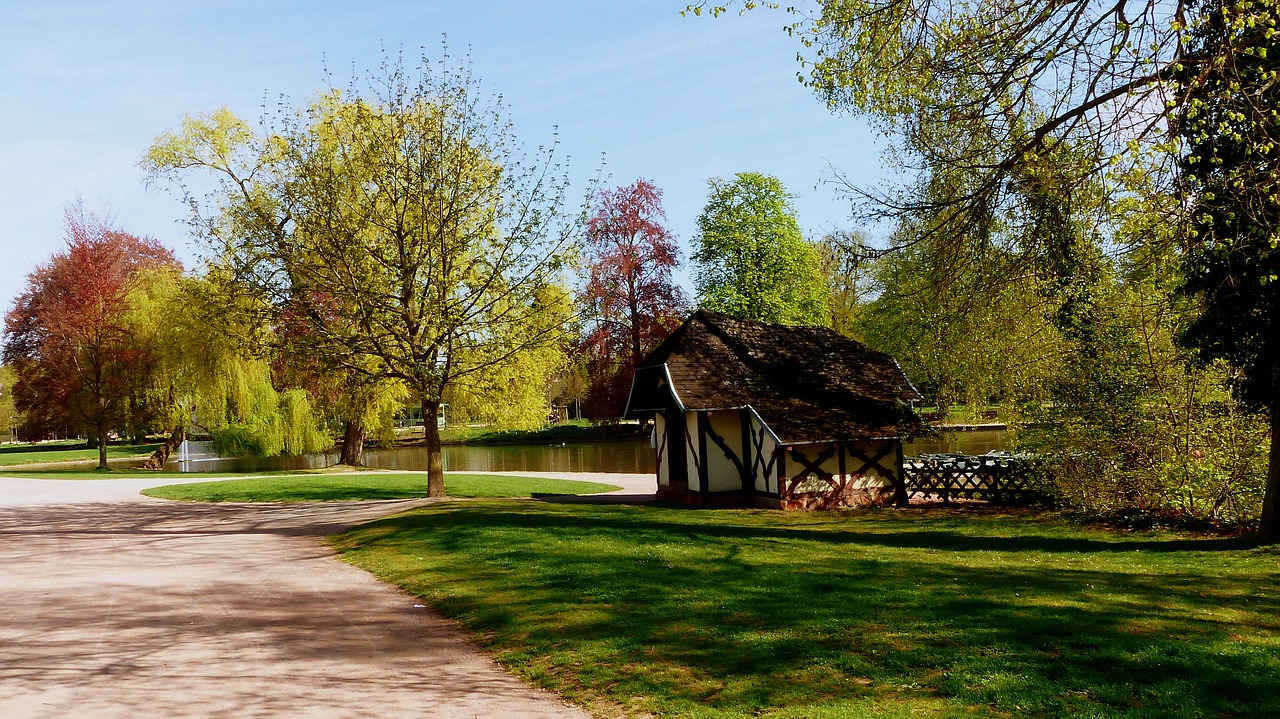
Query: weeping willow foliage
x,y
203,378
378,410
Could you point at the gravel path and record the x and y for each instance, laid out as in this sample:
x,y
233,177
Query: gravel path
x,y
118,605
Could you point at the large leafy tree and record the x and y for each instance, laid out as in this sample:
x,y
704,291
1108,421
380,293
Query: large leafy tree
x,y
1230,124
989,92
362,402
76,360
630,300
397,220
752,260
989,89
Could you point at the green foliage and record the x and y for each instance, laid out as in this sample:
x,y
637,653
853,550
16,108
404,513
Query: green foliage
x,y
961,338
514,392
1230,125
662,611
1131,426
261,439
751,259
299,432
394,230
205,374
847,259
250,417
10,418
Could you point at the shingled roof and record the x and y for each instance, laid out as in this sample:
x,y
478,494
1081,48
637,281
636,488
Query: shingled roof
x,y
809,384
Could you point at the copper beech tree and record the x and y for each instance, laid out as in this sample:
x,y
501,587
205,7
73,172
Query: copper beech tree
x,y
76,360
630,301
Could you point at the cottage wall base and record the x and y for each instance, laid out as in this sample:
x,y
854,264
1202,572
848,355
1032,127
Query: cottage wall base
x,y
699,499
849,499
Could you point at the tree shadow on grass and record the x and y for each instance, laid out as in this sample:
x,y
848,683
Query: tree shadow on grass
x,y
768,610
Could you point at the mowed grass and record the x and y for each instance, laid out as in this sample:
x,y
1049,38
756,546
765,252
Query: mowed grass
x,y
20,454
649,610
368,485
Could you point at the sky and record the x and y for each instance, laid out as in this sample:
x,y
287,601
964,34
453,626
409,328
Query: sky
x,y
630,89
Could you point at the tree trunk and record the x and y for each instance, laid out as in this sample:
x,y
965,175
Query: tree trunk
x,y
158,459
1270,525
102,447
431,438
352,445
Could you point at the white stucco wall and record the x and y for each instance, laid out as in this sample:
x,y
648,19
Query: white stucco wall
x,y
863,476
764,482
722,473
691,449
663,443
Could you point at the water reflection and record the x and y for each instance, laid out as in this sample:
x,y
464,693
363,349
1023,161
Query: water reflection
x,y
634,457
978,441
630,457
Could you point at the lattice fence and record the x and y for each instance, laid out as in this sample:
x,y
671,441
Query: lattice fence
x,y
995,478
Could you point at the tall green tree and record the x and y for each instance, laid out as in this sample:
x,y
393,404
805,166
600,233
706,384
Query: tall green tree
x,y
751,259
397,220
1230,126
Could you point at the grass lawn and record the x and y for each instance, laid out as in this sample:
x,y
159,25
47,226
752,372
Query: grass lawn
x,y
11,455
367,485
635,610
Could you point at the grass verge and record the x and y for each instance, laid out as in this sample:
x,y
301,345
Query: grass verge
x,y
367,485
636,610
12,455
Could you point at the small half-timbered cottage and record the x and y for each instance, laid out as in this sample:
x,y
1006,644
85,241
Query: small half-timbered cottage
x,y
748,413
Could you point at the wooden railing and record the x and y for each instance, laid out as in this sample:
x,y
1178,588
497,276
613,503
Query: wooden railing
x,y
994,478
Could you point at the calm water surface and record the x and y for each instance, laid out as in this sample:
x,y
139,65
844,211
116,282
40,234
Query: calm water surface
x,y
632,457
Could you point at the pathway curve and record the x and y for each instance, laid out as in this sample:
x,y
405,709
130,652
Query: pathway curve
x,y
118,605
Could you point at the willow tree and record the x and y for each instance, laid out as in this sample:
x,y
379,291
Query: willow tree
x,y
396,220
207,371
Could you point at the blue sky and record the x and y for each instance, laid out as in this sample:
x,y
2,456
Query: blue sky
x,y
87,84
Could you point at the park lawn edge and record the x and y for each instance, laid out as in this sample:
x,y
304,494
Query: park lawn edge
x,y
535,582
369,485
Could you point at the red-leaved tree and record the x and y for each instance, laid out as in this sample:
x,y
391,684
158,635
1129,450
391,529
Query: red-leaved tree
x,y
76,363
630,301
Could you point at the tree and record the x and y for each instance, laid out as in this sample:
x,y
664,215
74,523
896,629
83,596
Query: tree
x,y
363,403
1230,126
631,303
517,394
1120,85
208,370
752,261
408,206
1012,80
77,363
9,416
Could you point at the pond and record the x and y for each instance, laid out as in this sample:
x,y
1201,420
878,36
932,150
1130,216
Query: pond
x,y
632,457
988,438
